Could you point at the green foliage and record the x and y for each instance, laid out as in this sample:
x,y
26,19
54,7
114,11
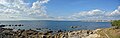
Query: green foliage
x,y
116,23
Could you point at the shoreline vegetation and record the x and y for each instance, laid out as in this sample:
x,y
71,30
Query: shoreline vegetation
x,y
112,32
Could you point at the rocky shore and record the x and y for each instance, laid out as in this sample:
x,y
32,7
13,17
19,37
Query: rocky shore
x,y
10,33
113,32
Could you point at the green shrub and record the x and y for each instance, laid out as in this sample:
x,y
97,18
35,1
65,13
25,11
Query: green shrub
x,y
116,23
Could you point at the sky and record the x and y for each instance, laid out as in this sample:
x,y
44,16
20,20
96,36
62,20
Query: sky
x,y
59,9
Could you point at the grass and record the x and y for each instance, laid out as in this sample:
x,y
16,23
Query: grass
x,y
113,32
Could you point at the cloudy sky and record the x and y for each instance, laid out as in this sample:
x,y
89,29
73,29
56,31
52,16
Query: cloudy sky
x,y
59,9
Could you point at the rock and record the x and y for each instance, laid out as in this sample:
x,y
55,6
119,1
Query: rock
x,y
115,27
74,27
19,25
49,31
38,28
15,25
49,34
44,37
46,33
59,31
10,25
2,25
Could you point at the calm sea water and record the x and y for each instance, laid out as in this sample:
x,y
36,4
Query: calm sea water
x,y
56,25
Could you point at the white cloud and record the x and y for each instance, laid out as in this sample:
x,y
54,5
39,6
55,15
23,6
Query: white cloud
x,y
18,9
97,14
88,14
115,13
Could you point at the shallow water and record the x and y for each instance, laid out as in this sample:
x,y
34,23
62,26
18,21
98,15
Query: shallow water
x,y
56,25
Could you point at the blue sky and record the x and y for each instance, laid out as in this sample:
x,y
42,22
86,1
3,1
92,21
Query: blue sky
x,y
59,9
68,7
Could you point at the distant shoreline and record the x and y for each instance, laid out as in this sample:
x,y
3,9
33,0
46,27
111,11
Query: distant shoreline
x,y
64,20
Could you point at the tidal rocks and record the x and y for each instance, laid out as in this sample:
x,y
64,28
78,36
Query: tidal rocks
x,y
9,33
11,25
59,31
74,27
2,25
115,27
49,31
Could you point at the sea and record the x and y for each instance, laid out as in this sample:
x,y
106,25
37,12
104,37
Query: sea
x,y
56,25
